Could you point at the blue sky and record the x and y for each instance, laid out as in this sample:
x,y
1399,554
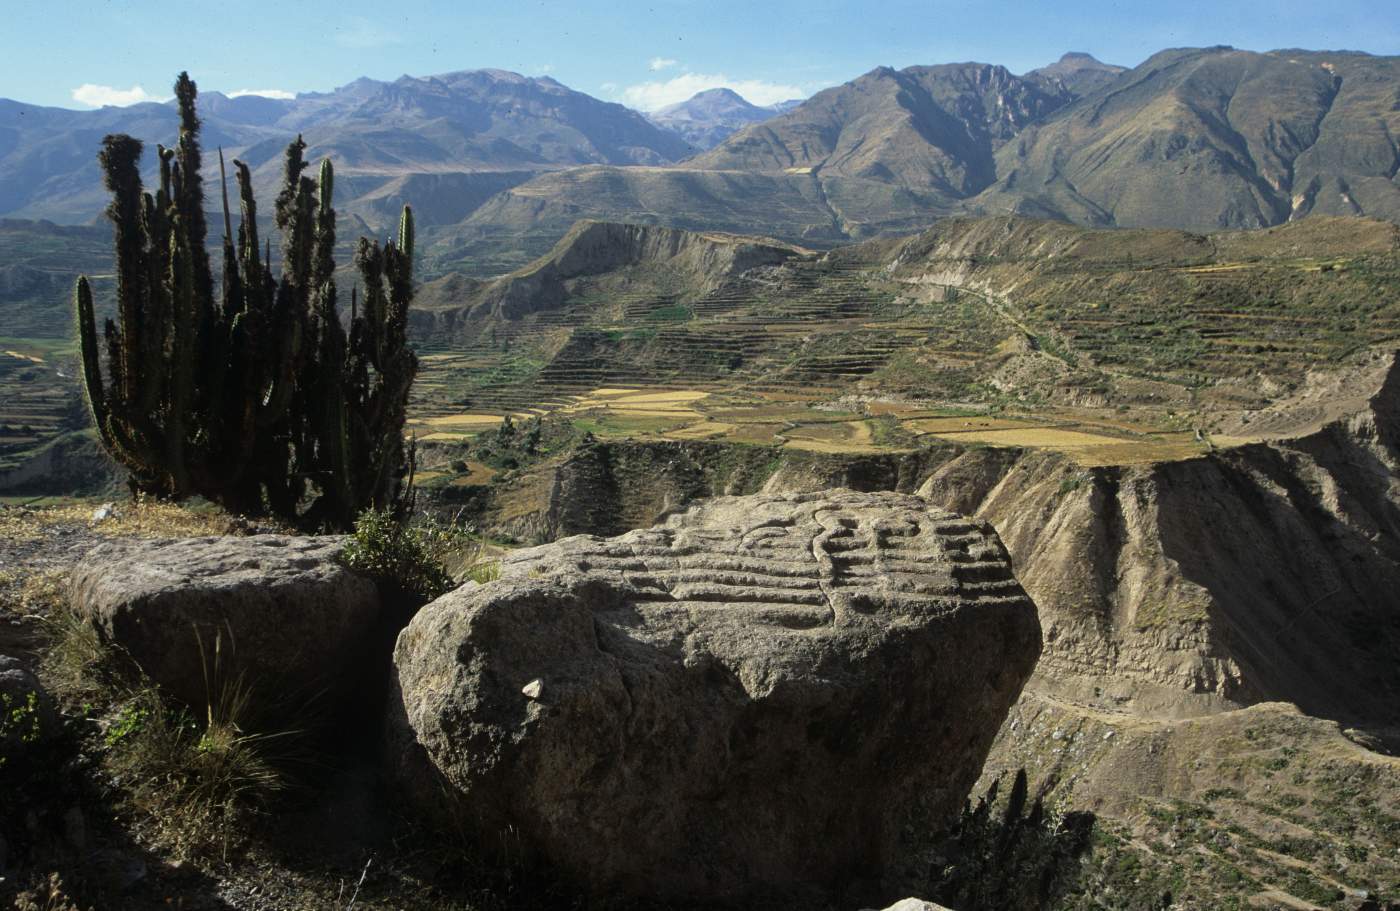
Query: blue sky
x,y
79,53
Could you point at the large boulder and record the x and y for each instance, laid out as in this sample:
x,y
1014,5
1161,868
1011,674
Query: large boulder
x,y
281,611
753,697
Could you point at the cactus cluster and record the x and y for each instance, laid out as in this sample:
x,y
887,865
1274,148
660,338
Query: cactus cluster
x,y
256,398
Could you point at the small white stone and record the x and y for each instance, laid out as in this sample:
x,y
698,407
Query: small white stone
x,y
1108,735
104,512
534,689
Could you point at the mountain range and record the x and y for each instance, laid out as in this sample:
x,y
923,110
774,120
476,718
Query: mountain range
x,y
445,143
499,166
1199,139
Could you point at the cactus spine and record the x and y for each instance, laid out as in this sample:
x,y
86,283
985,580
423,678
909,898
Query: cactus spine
x,y
256,399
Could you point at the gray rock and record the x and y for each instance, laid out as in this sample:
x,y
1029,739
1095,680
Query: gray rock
x,y
282,611
748,699
915,904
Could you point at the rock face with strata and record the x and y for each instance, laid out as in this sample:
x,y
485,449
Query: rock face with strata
x,y
750,697
284,613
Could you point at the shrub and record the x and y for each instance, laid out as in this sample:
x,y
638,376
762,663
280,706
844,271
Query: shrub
x,y
401,556
20,722
1014,854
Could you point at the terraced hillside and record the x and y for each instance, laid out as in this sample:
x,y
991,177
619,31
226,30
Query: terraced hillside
x,y
38,400
1114,346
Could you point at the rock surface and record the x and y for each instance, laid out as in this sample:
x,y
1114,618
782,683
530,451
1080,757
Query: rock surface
x,y
751,697
283,611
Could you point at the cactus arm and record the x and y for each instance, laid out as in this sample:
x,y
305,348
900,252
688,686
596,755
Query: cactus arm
x,y
92,366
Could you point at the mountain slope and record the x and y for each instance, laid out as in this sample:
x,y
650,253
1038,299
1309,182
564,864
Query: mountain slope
x,y
707,118
932,128
1215,138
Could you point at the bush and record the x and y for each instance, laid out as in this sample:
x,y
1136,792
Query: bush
x,y
404,557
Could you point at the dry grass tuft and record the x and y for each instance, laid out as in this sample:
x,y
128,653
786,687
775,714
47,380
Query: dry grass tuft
x,y
75,663
43,592
46,896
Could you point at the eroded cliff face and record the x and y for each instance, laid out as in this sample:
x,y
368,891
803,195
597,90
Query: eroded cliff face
x,y
1268,572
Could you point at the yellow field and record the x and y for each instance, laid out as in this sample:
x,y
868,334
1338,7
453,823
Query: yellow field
x,y
477,473
704,430
464,420
636,397
964,425
694,414
851,436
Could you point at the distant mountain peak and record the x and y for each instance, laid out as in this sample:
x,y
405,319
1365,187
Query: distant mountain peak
x,y
721,92
707,118
708,105
1078,72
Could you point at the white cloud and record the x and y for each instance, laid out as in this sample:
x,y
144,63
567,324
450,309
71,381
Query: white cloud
x,y
661,63
96,96
279,94
609,87
359,32
649,96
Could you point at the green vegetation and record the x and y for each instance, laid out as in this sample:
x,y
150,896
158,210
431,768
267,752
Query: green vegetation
x,y
20,722
257,398
406,558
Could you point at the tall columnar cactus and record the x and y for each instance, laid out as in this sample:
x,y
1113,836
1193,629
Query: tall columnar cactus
x,y
257,400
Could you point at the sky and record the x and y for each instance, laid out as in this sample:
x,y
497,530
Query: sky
x,y
643,53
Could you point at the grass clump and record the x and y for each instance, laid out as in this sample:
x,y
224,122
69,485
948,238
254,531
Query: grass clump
x,y
198,784
197,778
202,781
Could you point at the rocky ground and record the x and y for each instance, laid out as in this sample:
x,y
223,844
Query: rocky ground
x,y
330,838
98,813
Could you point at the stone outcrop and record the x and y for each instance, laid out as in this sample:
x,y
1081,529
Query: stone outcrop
x,y
283,612
752,696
